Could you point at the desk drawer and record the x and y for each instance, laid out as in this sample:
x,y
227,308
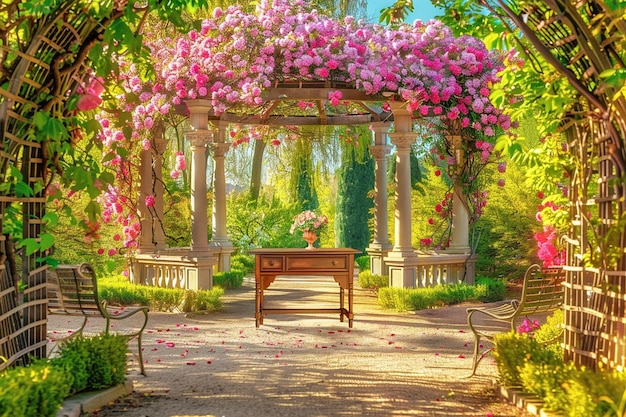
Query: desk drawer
x,y
271,263
334,263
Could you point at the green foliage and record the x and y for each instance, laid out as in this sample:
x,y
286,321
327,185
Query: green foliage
x,y
203,300
228,279
83,364
512,351
503,234
302,184
103,358
355,180
409,299
242,262
489,290
363,262
546,379
374,281
34,390
536,365
118,290
261,223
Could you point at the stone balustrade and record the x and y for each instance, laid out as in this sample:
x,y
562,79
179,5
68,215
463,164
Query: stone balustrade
x,y
174,268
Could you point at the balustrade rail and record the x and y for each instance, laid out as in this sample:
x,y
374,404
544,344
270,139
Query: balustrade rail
x,y
443,268
173,268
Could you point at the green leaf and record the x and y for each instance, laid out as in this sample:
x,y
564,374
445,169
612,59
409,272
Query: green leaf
x,y
50,219
40,119
46,241
92,210
30,244
23,190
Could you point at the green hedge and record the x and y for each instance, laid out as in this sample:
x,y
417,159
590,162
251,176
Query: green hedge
x,y
535,363
410,299
83,364
118,290
229,279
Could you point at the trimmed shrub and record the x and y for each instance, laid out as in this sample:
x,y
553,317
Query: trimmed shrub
x,y
228,279
102,358
406,299
242,262
203,300
118,290
363,262
34,390
374,281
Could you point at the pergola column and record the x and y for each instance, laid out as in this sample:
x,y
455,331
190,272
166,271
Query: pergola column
x,y
199,206
402,260
220,242
160,143
380,246
146,238
459,239
200,251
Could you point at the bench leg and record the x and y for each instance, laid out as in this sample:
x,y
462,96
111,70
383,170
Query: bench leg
x,y
140,354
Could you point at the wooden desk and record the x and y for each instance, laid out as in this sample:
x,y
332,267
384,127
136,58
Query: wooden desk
x,y
336,262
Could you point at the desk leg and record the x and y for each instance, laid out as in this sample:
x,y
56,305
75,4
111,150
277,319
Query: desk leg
x,y
258,302
350,304
341,304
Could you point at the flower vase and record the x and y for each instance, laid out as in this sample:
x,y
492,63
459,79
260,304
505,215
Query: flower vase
x,y
310,237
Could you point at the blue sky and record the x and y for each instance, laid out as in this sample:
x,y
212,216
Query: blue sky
x,y
422,10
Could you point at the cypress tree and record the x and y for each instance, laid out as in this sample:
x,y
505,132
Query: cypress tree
x,y
355,180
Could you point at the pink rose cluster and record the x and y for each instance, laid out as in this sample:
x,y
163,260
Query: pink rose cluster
x,y
547,251
308,221
235,56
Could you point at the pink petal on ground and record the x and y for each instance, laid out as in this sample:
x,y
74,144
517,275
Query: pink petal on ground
x,y
153,349
461,331
461,356
169,344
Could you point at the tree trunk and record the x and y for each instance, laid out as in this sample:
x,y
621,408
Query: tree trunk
x,y
257,169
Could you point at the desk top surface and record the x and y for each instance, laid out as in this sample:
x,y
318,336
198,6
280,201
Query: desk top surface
x,y
303,251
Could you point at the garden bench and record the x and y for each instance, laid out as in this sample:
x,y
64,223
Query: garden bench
x,y
542,292
73,291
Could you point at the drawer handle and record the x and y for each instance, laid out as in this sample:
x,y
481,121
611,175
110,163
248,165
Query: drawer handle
x,y
334,263
271,263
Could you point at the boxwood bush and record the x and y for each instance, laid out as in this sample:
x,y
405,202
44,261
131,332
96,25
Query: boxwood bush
x,y
39,388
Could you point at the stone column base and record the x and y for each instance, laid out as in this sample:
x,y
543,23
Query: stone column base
x,y
377,253
223,249
402,269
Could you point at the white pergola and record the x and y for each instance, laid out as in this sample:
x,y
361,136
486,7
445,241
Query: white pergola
x,y
193,267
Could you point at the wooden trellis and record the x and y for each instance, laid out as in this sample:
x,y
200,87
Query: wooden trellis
x,y
581,40
39,76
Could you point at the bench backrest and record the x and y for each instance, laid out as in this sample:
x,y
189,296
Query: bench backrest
x,y
542,291
76,289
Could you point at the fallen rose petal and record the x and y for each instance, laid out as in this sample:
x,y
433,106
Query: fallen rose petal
x,y
461,356
169,344
191,363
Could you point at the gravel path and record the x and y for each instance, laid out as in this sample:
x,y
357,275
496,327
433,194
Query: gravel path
x,y
309,365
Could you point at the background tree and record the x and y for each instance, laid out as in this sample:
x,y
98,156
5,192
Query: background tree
x,y
355,181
